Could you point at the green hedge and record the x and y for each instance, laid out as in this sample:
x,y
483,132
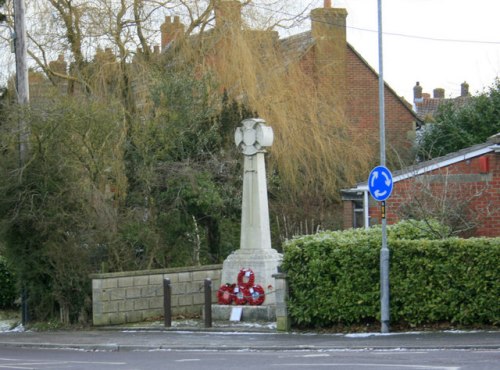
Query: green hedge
x,y
7,286
334,278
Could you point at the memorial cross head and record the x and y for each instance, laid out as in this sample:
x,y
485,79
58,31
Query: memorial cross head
x,y
253,136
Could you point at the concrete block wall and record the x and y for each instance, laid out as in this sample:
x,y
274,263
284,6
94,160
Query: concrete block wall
x,y
128,297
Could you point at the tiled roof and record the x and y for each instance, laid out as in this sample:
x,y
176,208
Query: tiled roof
x,y
428,107
294,47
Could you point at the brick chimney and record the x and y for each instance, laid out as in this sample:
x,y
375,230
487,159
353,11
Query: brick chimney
x,y
464,89
328,29
417,92
170,30
228,14
438,93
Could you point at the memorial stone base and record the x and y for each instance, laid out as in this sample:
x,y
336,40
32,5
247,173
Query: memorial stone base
x,y
263,313
263,262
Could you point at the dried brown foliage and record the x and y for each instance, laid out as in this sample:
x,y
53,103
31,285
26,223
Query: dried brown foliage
x,y
314,152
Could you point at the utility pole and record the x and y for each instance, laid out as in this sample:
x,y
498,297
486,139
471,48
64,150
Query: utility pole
x,y
384,251
22,84
21,51
22,89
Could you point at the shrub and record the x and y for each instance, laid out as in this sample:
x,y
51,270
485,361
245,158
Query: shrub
x,y
453,280
418,229
7,285
334,278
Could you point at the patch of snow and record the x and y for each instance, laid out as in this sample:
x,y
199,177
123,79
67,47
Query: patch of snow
x,y
366,335
11,326
360,335
18,329
4,326
461,331
375,334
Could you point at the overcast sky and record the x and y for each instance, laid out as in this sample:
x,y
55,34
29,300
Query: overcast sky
x,y
417,55
440,43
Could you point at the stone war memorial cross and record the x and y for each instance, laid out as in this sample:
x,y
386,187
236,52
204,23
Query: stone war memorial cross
x,y
255,250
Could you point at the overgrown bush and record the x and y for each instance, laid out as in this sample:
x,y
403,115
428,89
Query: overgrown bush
x,y
334,278
55,211
7,285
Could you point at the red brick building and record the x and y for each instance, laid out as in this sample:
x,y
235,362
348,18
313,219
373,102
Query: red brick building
x,y
340,73
466,184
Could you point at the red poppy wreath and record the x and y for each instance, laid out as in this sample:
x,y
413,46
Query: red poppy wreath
x,y
256,295
240,295
246,278
225,294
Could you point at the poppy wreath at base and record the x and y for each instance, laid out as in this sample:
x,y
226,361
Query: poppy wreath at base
x,y
246,278
240,295
225,294
256,295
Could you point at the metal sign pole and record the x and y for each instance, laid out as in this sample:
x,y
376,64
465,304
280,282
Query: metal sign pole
x,y
384,252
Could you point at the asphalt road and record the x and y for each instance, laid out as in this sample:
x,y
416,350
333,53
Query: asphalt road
x,y
447,359
242,349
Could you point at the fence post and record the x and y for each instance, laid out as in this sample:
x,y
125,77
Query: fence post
x,y
208,303
281,286
24,307
167,302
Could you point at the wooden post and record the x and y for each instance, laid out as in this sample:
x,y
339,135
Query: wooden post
x,y
167,303
208,303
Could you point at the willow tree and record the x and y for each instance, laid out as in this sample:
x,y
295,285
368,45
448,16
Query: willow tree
x,y
315,152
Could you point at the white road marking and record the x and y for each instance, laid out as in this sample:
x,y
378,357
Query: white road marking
x,y
96,362
26,365
188,360
403,352
426,367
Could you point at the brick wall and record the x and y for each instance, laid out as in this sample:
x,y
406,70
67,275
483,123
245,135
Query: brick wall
x,y
363,107
360,95
347,214
127,297
468,182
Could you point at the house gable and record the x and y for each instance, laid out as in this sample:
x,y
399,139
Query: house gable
x,y
363,106
356,92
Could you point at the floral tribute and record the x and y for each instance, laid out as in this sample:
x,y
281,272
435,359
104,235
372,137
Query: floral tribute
x,y
225,294
243,292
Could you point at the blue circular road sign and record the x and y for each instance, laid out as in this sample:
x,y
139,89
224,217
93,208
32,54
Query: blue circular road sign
x,y
380,183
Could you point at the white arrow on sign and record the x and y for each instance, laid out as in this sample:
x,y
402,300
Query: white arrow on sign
x,y
379,193
387,179
374,177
